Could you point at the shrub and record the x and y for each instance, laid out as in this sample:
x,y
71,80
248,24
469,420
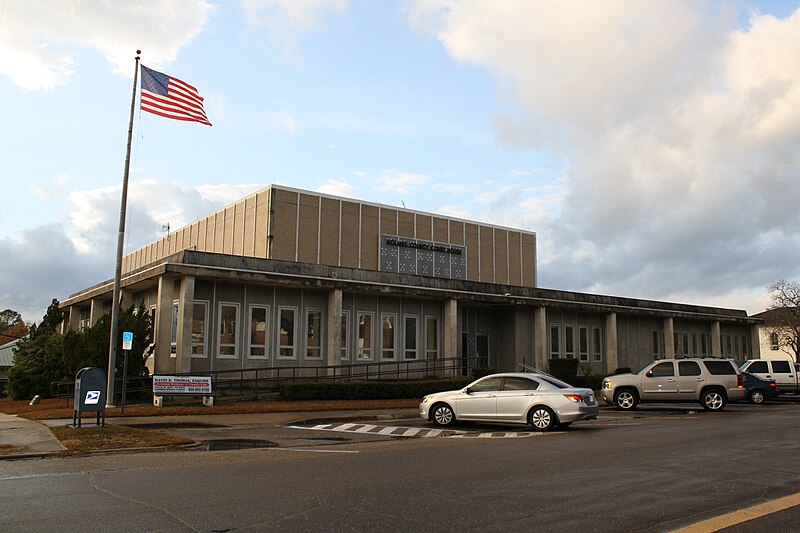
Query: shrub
x,y
367,390
589,382
479,372
564,369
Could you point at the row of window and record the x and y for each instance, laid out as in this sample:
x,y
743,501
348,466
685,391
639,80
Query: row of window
x,y
570,349
696,344
286,335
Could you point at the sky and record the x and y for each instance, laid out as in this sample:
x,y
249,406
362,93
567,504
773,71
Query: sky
x,y
654,147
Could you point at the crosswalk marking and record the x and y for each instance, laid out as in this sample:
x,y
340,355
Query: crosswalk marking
x,y
418,432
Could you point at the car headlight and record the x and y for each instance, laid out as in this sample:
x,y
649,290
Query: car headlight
x,y
607,385
426,399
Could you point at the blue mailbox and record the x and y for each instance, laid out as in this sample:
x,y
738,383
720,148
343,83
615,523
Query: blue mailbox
x,y
90,395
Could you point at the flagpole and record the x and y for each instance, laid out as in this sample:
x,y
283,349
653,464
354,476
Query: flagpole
x,y
112,345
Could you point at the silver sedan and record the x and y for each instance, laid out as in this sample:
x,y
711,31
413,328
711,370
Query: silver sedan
x,y
539,400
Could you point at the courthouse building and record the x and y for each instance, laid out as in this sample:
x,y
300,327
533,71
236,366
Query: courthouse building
x,y
287,277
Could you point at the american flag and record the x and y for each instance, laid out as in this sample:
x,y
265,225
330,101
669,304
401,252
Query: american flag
x,y
170,97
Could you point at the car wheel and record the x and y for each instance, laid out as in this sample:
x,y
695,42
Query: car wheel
x,y
756,397
713,400
541,418
626,400
443,415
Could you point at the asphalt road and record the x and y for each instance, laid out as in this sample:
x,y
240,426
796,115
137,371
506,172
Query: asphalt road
x,y
657,470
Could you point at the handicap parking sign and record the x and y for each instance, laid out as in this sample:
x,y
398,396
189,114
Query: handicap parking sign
x,y
127,340
92,397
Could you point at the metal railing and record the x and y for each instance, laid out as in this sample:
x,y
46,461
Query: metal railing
x,y
266,382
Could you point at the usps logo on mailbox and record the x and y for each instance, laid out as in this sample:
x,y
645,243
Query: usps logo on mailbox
x,y
92,397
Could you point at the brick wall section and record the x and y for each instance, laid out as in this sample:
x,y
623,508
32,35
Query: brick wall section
x,y
369,237
501,256
285,218
473,263
333,231
350,234
308,239
329,232
514,259
405,226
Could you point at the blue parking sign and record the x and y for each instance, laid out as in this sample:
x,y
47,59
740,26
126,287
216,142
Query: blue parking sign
x,y
127,340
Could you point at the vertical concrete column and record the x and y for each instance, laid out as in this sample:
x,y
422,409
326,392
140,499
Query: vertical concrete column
x,y
183,360
539,338
95,311
163,363
333,345
669,337
612,355
755,343
716,339
450,344
126,298
74,318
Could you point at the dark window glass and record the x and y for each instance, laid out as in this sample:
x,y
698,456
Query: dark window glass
x,y
663,369
720,368
520,384
555,382
781,367
689,368
758,367
489,384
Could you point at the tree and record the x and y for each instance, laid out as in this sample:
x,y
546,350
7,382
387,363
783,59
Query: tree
x,y
786,322
11,324
46,356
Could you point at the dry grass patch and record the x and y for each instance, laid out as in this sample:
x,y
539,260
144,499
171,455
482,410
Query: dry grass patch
x,y
8,448
87,440
51,408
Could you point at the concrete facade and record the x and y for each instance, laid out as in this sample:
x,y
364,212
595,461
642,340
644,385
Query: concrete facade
x,y
289,278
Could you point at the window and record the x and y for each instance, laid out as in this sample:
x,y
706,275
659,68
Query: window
x,y
259,318
313,334
173,346
703,345
583,343
773,341
569,342
720,368
781,367
728,345
744,347
736,346
287,332
758,367
520,384
364,336
411,338
655,344
555,342
597,345
685,344
84,320
688,368
228,338
487,385
387,337
199,322
431,338
662,370
343,329
694,343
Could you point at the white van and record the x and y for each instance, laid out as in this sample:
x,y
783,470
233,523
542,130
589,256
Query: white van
x,y
784,371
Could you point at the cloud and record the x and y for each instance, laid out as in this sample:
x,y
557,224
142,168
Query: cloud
x,y
281,120
39,38
338,188
286,20
678,129
400,182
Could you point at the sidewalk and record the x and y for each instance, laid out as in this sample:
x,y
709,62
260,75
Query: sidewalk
x,y
20,437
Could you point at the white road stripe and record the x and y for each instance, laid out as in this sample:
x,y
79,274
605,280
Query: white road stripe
x,y
419,432
365,429
411,432
386,431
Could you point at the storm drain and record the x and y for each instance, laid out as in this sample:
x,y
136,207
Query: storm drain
x,y
234,444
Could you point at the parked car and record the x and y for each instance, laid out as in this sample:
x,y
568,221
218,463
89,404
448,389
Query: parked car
x,y
759,390
539,400
711,381
783,371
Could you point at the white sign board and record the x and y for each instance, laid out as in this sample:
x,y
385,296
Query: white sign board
x,y
127,340
181,385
